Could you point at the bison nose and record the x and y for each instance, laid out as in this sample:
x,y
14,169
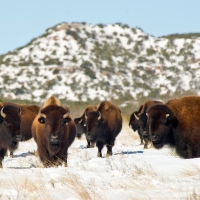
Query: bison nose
x,y
154,138
54,138
88,136
145,134
18,138
78,135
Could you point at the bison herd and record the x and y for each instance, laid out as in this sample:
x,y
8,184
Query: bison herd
x,y
176,123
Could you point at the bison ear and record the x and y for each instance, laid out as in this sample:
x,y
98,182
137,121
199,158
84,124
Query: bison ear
x,y
136,116
77,120
67,120
41,120
172,120
1,119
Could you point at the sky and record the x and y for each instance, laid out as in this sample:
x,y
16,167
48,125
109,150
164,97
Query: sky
x,y
22,20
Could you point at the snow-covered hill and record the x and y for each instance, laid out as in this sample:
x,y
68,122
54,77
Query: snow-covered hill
x,y
82,62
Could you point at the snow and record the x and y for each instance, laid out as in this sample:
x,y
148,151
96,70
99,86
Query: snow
x,y
131,173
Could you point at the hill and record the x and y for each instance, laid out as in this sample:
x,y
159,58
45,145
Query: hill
x,y
84,62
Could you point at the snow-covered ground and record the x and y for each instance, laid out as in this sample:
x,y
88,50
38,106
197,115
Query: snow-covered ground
x,y
131,173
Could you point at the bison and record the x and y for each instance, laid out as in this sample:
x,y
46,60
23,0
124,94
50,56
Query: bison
x,y
81,126
143,120
53,131
28,113
134,124
10,120
103,126
176,123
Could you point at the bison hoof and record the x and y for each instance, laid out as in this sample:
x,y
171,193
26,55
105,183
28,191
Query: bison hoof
x,y
90,146
99,155
108,154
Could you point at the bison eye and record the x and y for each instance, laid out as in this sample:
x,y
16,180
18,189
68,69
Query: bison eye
x,y
8,124
62,123
164,121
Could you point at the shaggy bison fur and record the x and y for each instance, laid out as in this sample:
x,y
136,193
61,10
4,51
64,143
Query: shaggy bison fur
x,y
134,124
54,131
28,113
81,126
10,120
176,123
103,126
143,120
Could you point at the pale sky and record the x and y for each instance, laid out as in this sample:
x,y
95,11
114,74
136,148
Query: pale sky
x,y
23,20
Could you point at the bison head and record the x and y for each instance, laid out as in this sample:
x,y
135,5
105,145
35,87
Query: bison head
x,y
80,126
161,123
133,122
94,125
143,125
10,120
55,120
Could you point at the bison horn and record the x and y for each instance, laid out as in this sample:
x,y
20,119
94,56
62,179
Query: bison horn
x,y
99,115
80,121
42,115
2,113
167,115
86,115
147,114
20,111
66,114
136,117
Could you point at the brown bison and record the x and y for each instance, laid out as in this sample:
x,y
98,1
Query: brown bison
x,y
81,126
10,120
176,123
54,131
103,126
28,113
134,124
142,118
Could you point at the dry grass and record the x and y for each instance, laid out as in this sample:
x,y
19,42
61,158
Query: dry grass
x,y
193,171
24,189
74,182
134,170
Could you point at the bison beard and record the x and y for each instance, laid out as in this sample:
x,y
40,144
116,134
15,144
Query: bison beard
x,y
54,144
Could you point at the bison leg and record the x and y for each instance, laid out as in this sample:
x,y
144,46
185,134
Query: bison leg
x,y
2,155
189,152
11,154
109,150
146,142
99,145
141,140
90,145
62,157
141,137
44,156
